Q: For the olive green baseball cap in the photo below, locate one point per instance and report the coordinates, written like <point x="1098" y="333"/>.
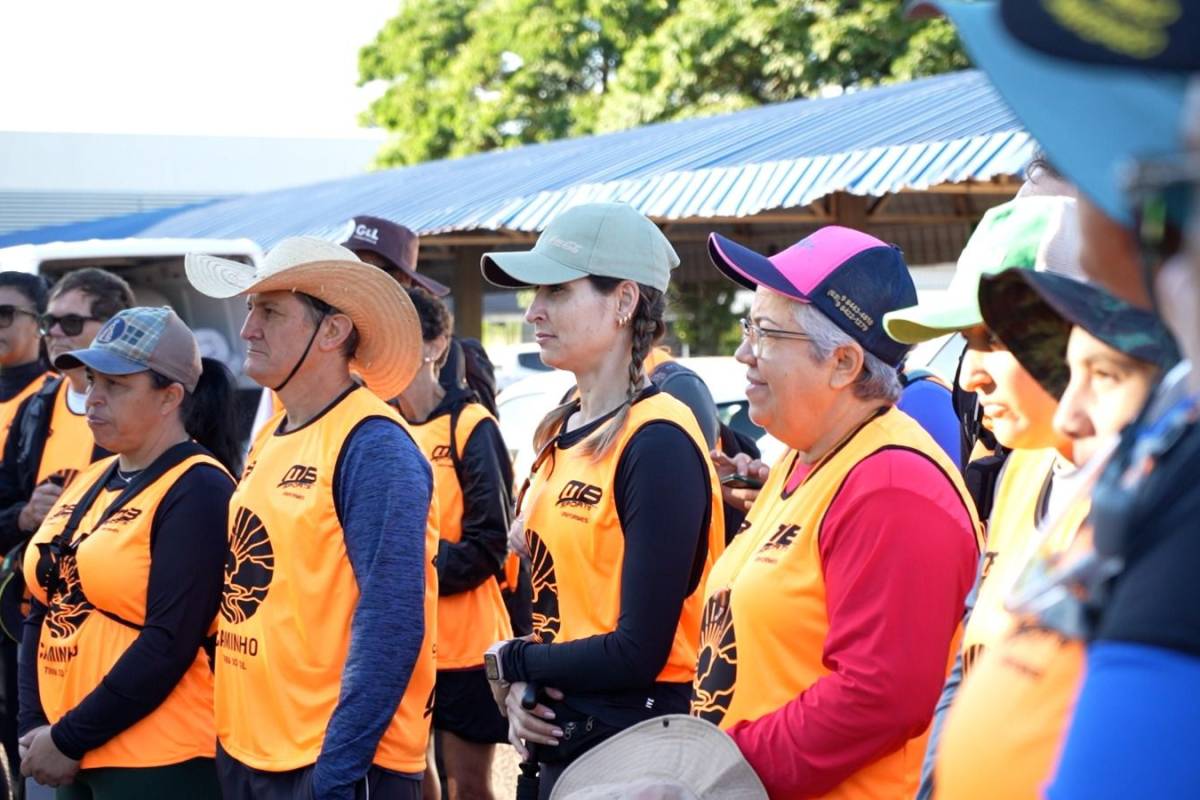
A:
<point x="609" y="240"/>
<point x="1030" y="232"/>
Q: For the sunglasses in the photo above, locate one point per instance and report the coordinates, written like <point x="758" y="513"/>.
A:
<point x="8" y="313"/>
<point x="71" y="324"/>
<point x="1163" y="196"/>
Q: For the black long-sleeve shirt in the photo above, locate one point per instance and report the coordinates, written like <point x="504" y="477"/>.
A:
<point x="662" y="495"/>
<point x="13" y="380"/>
<point x="485" y="476"/>
<point x="187" y="548"/>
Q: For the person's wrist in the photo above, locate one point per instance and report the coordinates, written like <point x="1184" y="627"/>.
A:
<point x="493" y="662"/>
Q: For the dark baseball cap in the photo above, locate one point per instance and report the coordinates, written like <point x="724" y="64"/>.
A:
<point x="395" y="243"/>
<point x="141" y="339"/>
<point x="1146" y="34"/>
<point x="1033" y="313"/>
<point x="851" y="277"/>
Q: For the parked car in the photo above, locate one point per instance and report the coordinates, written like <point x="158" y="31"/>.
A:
<point x="524" y="403"/>
<point x="154" y="270"/>
<point x="516" y="361"/>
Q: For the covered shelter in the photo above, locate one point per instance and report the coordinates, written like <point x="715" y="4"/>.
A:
<point x="914" y="163"/>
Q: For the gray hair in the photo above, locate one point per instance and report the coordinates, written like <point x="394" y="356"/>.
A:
<point x="877" y="381"/>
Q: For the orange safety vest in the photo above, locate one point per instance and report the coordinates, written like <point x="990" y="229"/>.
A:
<point x="8" y="408"/>
<point x="69" y="443"/>
<point x="95" y="614"/>
<point x="1004" y="731"/>
<point x="283" y="633"/>
<point x="766" y="620"/>
<point x="577" y="546"/>
<point x="1012" y="527"/>
<point x="468" y="622"/>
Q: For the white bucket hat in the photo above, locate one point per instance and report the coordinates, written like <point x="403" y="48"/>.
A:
<point x="675" y="756"/>
<point x="389" y="332"/>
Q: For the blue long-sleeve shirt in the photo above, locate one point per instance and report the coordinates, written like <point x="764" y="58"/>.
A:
<point x="382" y="491"/>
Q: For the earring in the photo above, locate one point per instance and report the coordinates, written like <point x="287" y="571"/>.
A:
<point x="622" y="321"/>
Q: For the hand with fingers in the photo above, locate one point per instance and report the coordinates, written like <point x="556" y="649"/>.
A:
<point x="44" y="496"/>
<point x="533" y="725"/>
<point x="43" y="761"/>
<point x="740" y="498"/>
<point x="516" y="538"/>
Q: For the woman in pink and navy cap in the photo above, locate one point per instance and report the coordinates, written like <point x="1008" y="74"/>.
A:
<point x="830" y="621"/>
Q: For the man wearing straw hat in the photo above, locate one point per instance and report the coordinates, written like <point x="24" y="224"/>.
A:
<point x="325" y="663"/>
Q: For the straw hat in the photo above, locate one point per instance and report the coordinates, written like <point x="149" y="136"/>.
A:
<point x="675" y="756"/>
<point x="389" y="333"/>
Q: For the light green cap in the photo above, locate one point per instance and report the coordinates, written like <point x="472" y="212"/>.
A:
<point x="611" y="240"/>
<point x="1035" y="232"/>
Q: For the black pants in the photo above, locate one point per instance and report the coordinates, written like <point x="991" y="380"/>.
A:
<point x="240" y="782"/>
<point x="192" y="780"/>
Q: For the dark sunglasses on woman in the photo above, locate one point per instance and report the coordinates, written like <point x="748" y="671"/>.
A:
<point x="71" y="324"/>
<point x="8" y="313"/>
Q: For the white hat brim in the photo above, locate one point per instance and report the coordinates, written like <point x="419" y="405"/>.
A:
<point x="389" y="331"/>
<point x="677" y="749"/>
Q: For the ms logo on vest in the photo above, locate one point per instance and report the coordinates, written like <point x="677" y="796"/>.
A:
<point x="546" y="621"/>
<point x="69" y="607"/>
<point x="716" y="666"/>
<point x="782" y="539"/>
<point x="124" y="516"/>
<point x="440" y="453"/>
<point x="249" y="565"/>
<point x="298" y="476"/>
<point x="577" y="494"/>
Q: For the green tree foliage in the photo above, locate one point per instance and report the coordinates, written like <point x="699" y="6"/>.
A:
<point x="465" y="76"/>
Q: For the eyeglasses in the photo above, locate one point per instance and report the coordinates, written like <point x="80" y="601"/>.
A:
<point x="71" y="324"/>
<point x="9" y="313"/>
<point x="754" y="335"/>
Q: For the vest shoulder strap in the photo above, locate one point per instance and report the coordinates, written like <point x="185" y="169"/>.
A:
<point x="456" y="418"/>
<point x="35" y="419"/>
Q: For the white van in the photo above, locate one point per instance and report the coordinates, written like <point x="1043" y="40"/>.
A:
<point x="154" y="269"/>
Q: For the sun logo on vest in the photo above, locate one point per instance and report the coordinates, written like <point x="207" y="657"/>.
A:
<point x="716" y="667"/>
<point x="249" y="566"/>
<point x="546" y="620"/>
<point x="69" y="606"/>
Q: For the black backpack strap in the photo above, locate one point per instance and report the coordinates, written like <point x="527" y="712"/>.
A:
<point x="455" y="459"/>
<point x="62" y="545"/>
<point x="35" y="420"/>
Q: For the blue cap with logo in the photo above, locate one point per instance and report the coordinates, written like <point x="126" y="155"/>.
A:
<point x="141" y="339"/>
<point x="1090" y="120"/>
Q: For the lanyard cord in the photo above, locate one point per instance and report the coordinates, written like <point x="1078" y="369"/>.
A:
<point x="303" y="355"/>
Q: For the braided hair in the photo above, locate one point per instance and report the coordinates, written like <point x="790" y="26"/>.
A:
<point x="647" y="326"/>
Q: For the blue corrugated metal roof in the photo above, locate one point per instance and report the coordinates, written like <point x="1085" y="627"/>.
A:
<point x="947" y="128"/>
<point x="118" y="227"/>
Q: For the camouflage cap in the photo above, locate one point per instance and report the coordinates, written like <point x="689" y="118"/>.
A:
<point x="1033" y="313"/>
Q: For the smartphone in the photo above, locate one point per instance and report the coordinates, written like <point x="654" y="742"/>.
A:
<point x="736" y="481"/>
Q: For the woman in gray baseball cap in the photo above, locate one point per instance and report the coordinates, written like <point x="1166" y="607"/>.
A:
<point x="126" y="574"/>
<point x="622" y="517"/>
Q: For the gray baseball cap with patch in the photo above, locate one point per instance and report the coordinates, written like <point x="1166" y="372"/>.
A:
<point x="609" y="240"/>
<point x="141" y="339"/>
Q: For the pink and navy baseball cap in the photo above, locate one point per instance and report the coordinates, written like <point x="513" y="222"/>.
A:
<point x="850" y="277"/>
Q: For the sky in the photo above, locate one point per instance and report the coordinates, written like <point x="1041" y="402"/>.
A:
<point x="252" y="67"/>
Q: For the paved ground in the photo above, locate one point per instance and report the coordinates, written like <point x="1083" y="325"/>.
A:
<point x="504" y="772"/>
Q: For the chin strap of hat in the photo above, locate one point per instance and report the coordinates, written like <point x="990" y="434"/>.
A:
<point x="303" y="355"/>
